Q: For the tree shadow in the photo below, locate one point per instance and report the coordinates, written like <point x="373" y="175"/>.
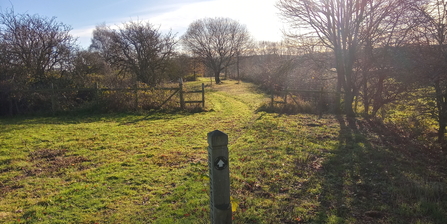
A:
<point x="374" y="175"/>
<point x="9" y="124"/>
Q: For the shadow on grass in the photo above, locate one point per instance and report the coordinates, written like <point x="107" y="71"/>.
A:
<point x="160" y="115"/>
<point x="377" y="176"/>
<point x="71" y="118"/>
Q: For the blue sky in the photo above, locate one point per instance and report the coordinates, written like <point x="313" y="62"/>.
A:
<point x="260" y="16"/>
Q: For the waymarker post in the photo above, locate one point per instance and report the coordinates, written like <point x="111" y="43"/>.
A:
<point x="218" y="164"/>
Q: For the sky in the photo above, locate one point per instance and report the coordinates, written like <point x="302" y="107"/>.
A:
<point x="261" y="17"/>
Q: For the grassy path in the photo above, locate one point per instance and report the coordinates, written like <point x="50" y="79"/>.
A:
<point x="115" y="168"/>
<point x="123" y="168"/>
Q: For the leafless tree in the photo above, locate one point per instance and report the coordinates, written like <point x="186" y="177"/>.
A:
<point x="385" y="34"/>
<point x="34" y="46"/>
<point x="103" y="42"/>
<point x="89" y="68"/>
<point x="137" y="48"/>
<point x="216" y="41"/>
<point x="315" y="64"/>
<point x="269" y="66"/>
<point x="434" y="59"/>
<point x="340" y="26"/>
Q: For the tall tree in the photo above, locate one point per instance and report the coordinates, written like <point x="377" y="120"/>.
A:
<point x="32" y="47"/>
<point x="338" y="24"/>
<point x="216" y="41"/>
<point x="88" y="68"/>
<point x="434" y="41"/>
<point x="386" y="32"/>
<point x="137" y="48"/>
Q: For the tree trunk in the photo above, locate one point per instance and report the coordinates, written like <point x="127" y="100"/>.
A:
<point x="367" y="64"/>
<point x="365" y="95"/>
<point x="345" y="80"/>
<point x="344" y="75"/>
<point x="349" y="99"/>
<point x="338" y="97"/>
<point x="378" y="98"/>
<point x="217" y="77"/>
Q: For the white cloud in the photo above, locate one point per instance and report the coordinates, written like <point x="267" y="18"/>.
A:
<point x="260" y="17"/>
<point x="83" y="35"/>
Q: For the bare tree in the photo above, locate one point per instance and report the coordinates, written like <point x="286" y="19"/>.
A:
<point x="434" y="58"/>
<point x="103" y="42"/>
<point x="315" y="68"/>
<point x="216" y="41"/>
<point x="137" y="48"/>
<point x="385" y="34"/>
<point x="88" y="68"/>
<point x="269" y="66"/>
<point x="33" y="46"/>
<point x="339" y="25"/>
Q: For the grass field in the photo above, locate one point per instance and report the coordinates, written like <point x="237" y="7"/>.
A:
<point x="140" y="168"/>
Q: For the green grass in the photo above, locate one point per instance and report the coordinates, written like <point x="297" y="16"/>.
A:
<point x="138" y="168"/>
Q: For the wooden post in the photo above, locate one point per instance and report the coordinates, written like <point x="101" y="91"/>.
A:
<point x="218" y="163"/>
<point x="273" y="98"/>
<point x="182" y="100"/>
<point x="203" y="95"/>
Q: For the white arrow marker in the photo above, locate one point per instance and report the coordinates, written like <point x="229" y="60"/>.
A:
<point x="221" y="163"/>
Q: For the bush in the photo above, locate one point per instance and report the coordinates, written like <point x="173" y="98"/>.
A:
<point x="192" y="77"/>
<point x="91" y="100"/>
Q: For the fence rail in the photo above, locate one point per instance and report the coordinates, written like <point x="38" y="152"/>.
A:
<point x="136" y="95"/>
<point x="322" y="99"/>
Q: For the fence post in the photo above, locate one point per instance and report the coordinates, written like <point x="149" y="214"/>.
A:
<point x="203" y="95"/>
<point x="182" y="100"/>
<point x="218" y="163"/>
<point x="273" y="98"/>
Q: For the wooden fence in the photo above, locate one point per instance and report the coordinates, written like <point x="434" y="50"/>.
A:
<point x="96" y="93"/>
<point x="321" y="99"/>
